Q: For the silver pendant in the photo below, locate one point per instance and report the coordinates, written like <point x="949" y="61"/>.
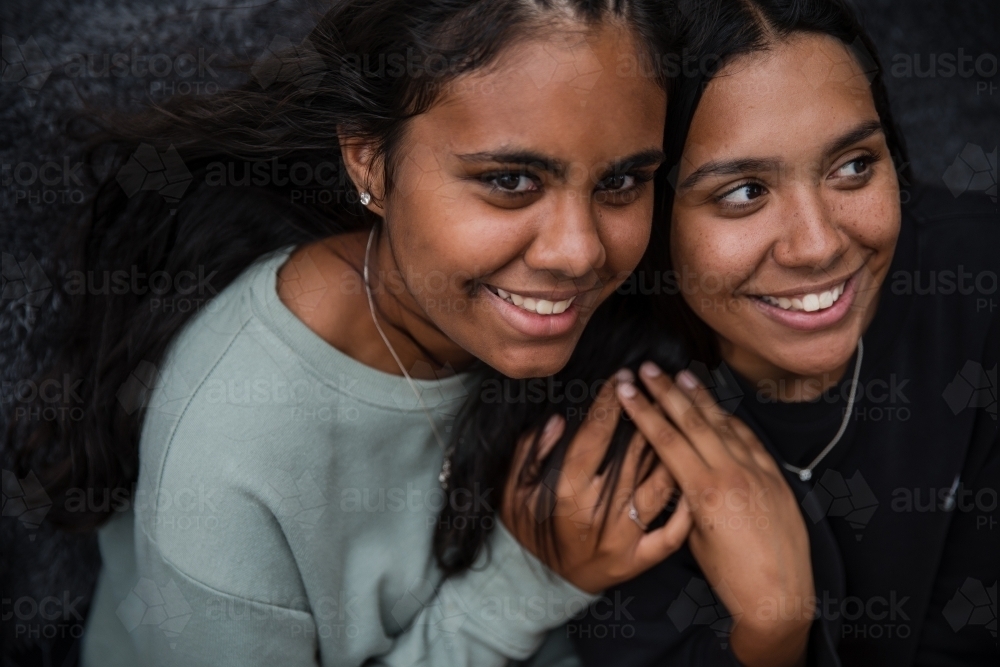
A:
<point x="805" y="475"/>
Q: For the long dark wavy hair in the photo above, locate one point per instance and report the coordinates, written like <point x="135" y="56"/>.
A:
<point x="647" y="318"/>
<point x="199" y="188"/>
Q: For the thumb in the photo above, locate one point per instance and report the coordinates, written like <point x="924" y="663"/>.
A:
<point x="654" y="546"/>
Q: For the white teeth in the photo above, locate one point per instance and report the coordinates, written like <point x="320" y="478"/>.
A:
<point x="540" y="306"/>
<point x="809" y="302"/>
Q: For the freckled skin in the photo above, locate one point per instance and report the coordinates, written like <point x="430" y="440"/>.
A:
<point x="446" y="231"/>
<point x="816" y="221"/>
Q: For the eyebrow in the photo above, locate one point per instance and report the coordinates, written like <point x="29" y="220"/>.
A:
<point x="559" y="168"/>
<point x="860" y="133"/>
<point x="742" y="166"/>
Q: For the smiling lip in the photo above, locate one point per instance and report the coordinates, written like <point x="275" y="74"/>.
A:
<point x="532" y="323"/>
<point x="803" y="320"/>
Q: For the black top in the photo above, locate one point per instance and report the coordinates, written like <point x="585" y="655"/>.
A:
<point x="798" y="431"/>
<point x="902" y="513"/>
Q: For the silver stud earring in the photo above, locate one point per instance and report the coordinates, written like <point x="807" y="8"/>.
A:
<point x="364" y="197"/>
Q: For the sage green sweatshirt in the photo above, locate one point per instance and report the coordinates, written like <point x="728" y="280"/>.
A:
<point x="283" y="515"/>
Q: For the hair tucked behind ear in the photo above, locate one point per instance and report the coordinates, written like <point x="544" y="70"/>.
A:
<point x="205" y="186"/>
<point x="648" y="318"/>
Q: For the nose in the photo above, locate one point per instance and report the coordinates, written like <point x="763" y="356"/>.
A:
<point x="810" y="238"/>
<point x="567" y="242"/>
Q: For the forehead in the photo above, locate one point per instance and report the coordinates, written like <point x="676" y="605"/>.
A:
<point x="564" y="91"/>
<point x="808" y="86"/>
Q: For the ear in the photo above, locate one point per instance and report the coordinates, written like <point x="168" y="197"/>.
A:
<point x="365" y="170"/>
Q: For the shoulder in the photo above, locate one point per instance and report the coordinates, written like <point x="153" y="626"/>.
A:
<point x="233" y="407"/>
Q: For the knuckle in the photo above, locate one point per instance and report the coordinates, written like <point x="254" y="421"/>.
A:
<point x="692" y="420"/>
<point x="665" y="434"/>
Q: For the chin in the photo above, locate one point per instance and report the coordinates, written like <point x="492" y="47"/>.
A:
<point x="819" y="363"/>
<point x="526" y="362"/>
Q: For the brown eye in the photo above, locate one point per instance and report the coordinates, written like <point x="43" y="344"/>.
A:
<point x="743" y="194"/>
<point x="617" y="182"/>
<point x="511" y="182"/>
<point x="855" y="167"/>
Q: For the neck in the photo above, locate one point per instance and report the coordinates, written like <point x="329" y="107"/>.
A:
<point x="785" y="385"/>
<point x="322" y="284"/>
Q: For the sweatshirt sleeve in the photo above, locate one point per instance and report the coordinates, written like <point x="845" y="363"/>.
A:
<point x="501" y="609"/>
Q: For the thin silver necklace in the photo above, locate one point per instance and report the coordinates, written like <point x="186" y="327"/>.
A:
<point x="445" y="473"/>
<point x="805" y="474"/>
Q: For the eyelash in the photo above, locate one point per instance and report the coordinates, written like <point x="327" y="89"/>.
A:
<point x="491" y="178"/>
<point x="736" y="188"/>
<point x="641" y="178"/>
<point x="867" y="158"/>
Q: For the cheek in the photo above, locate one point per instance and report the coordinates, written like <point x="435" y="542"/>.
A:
<point x="440" y="236"/>
<point x="719" y="256"/>
<point x="873" y="221"/>
<point x="625" y="235"/>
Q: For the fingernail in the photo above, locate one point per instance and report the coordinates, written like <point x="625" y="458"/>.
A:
<point x="550" y="425"/>
<point x="650" y="370"/>
<point x="687" y="380"/>
<point x="627" y="390"/>
<point x="624" y="376"/>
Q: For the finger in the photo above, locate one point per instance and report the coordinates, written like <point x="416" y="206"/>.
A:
<point x="652" y="496"/>
<point x="620" y="501"/>
<point x="579" y="487"/>
<point x="547" y="439"/>
<point x="673" y="449"/>
<point x="630" y="464"/>
<point x="686" y="416"/>
<point x="701" y="397"/>
<point x="656" y="545"/>
<point x="760" y="455"/>
<point x="591" y="442"/>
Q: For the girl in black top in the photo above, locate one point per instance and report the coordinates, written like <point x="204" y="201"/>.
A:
<point x="855" y="336"/>
<point x="847" y="513"/>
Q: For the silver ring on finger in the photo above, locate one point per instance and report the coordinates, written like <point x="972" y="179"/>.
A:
<point x="633" y="514"/>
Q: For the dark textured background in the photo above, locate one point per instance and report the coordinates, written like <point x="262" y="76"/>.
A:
<point x="943" y="117"/>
